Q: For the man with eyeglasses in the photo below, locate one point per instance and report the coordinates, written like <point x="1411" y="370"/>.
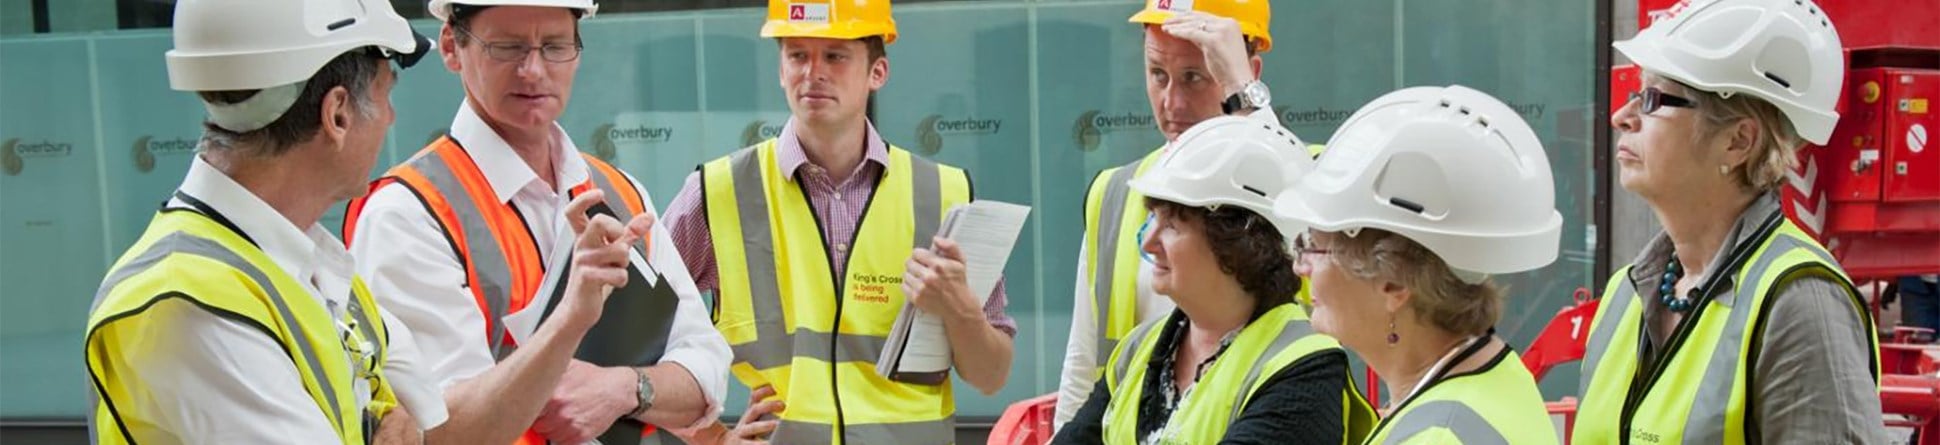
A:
<point x="469" y="238"/>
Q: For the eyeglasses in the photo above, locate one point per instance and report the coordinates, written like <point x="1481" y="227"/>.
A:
<point x="516" y="52"/>
<point x="1303" y="245"/>
<point x="1654" y="99"/>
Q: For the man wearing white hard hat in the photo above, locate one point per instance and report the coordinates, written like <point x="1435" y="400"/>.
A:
<point x="236" y="318"/>
<point x="1732" y="325"/>
<point x="469" y="242"/>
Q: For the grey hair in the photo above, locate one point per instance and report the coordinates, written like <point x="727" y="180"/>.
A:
<point x="1440" y="297"/>
<point x="355" y="70"/>
<point x="1774" y="152"/>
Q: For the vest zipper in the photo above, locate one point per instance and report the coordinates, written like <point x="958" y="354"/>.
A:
<point x="1635" y="396"/>
<point x="835" y="326"/>
<point x="835" y="329"/>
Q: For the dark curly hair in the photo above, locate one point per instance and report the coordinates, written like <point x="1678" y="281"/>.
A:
<point x="1247" y="246"/>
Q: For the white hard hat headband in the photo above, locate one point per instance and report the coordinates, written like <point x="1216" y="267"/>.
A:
<point x="256" y="112"/>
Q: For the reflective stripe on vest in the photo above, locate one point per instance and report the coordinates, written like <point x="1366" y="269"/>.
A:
<point x="1701" y="396"/>
<point x="1497" y="404"/>
<point x="774" y="345"/>
<point x="1112" y="222"/>
<point x="779" y="302"/>
<point x="1467" y="425"/>
<point x="174" y="259"/>
<point x="500" y="255"/>
<point x="1264" y="347"/>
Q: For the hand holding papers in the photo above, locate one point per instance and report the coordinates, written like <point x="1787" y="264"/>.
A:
<point x="918" y="349"/>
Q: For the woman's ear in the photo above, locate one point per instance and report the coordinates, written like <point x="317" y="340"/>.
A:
<point x="1395" y="296"/>
<point x="1744" y="137"/>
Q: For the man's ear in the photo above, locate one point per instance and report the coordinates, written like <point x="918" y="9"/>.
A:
<point x="336" y="118"/>
<point x="448" y="48"/>
<point x="878" y="73"/>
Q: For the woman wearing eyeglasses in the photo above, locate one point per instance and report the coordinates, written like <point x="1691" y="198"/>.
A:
<point x="1732" y="325"/>
<point x="1237" y="362"/>
<point x="1421" y="196"/>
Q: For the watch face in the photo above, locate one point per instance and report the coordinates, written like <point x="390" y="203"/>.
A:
<point x="1257" y="94"/>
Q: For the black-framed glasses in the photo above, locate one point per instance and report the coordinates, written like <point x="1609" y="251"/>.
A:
<point x="1654" y="99"/>
<point x="516" y="51"/>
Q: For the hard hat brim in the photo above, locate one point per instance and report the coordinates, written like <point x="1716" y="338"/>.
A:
<point x="1262" y="44"/>
<point x="776" y="29"/>
<point x="1645" y="51"/>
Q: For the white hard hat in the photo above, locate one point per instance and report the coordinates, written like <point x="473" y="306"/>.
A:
<point x="276" y="46"/>
<point x="1783" y="51"/>
<point x="224" y="45"/>
<point x="442" y="8"/>
<point x="1229" y="160"/>
<point x="1451" y="168"/>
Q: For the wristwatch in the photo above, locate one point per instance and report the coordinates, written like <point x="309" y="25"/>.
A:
<point x="1253" y="96"/>
<point x="645" y="395"/>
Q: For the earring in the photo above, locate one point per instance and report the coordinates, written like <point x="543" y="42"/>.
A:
<point x="1393" y="337"/>
<point x="1724" y="170"/>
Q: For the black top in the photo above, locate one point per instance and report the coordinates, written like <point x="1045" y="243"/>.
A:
<point x="1299" y="404"/>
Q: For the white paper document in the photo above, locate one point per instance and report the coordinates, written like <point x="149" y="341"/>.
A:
<point x="918" y="350"/>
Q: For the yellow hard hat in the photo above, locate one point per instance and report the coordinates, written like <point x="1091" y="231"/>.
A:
<point x="832" y="19"/>
<point x="1253" y="15"/>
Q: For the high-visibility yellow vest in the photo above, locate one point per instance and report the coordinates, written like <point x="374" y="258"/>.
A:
<point x="1498" y="404"/>
<point x="1699" y="390"/>
<point x="1269" y="344"/>
<point x="814" y="338"/>
<point x="186" y="254"/>
<point x="1114" y="215"/>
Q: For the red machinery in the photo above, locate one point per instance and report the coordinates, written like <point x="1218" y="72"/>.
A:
<point x="1026" y="423"/>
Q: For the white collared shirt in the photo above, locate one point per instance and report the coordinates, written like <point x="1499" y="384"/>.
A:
<point x="403" y="252"/>
<point x="216" y="380"/>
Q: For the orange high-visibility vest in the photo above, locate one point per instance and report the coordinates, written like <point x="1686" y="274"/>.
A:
<point x="503" y="268"/>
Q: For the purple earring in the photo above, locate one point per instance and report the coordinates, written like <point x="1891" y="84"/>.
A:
<point x="1393" y="337"/>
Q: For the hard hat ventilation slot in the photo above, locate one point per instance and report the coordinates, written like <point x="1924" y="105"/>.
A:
<point x="1253" y="190"/>
<point x="1463" y="110"/>
<point x="1410" y="206"/>
<point x="1781" y="81"/>
<point x="340" y="24"/>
